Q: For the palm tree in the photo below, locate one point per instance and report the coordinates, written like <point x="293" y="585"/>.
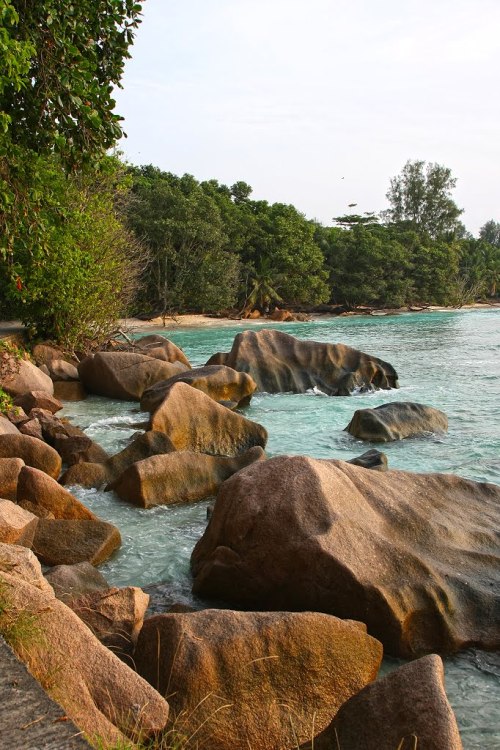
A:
<point x="264" y="285"/>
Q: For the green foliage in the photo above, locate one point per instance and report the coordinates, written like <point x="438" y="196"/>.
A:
<point x="6" y="402"/>
<point x="74" y="293"/>
<point x="420" y="199"/>
<point x="490" y="233"/>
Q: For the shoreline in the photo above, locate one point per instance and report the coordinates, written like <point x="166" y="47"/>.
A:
<point x="199" y="320"/>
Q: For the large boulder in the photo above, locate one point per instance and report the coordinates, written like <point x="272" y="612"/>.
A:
<point x="159" y="347"/>
<point x="253" y="679"/>
<point x="407" y="708"/>
<point x="63" y="542"/>
<point x="85" y="474"/>
<point x="147" y="444"/>
<point x="10" y="469"/>
<point x="414" y="556"/>
<point x="32" y="451"/>
<point x="22" y="376"/>
<point x="396" y="421"/>
<point x="114" y="616"/>
<point x="280" y="363"/>
<point x="6" y="426"/>
<point x="195" y="422"/>
<point x="42" y="495"/>
<point x="221" y="383"/>
<point x="62" y="371"/>
<point x="124" y="375"/>
<point x="72" y="581"/>
<point x="17" y="526"/>
<point x="69" y="390"/>
<point x="180" y="477"/>
<point x="106" y="699"/>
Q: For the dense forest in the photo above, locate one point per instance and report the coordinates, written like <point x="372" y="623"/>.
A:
<point x="85" y="238"/>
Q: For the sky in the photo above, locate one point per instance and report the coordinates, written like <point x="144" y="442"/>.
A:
<point x="319" y="103"/>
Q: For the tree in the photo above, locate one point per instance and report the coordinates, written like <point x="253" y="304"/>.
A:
<point x="420" y="199"/>
<point x="490" y="232"/>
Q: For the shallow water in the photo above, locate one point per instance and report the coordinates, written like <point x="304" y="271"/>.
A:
<point x="450" y="360"/>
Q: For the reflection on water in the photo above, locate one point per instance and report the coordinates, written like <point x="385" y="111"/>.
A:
<point x="448" y="360"/>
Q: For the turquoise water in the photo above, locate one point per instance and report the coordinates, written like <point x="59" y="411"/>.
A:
<point x="450" y="360"/>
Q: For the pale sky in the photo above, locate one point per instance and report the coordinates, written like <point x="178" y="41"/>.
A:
<point x="319" y="103"/>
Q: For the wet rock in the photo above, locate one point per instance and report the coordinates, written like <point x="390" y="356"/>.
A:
<point x="414" y="556"/>
<point x="281" y="363"/>
<point x="276" y="674"/>
<point x="90" y="475"/>
<point x="373" y="459"/>
<point x="222" y="384"/>
<point x="180" y="477"/>
<point x="194" y="422"/>
<point x="396" y="421"/>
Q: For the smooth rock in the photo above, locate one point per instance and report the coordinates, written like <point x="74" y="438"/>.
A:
<point x="6" y="426"/>
<point x="123" y="375"/>
<point x="9" y="473"/>
<point x="373" y="459"/>
<point x="40" y="493"/>
<point x="180" y="477"/>
<point x="194" y="422"/>
<point x="281" y="363"/>
<point x="414" y="556"/>
<point x="62" y="371"/>
<point x="17" y="526"/>
<point x="62" y="542"/>
<point x="32" y="451"/>
<point x="396" y="421"/>
<point x="222" y="384"/>
<point x="406" y="709"/>
<point x="72" y="581"/>
<point x="161" y="348"/>
<point x="253" y="679"/>
<point x="106" y="699"/>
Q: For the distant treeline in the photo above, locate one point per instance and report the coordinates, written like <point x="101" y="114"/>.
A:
<point x="212" y="248"/>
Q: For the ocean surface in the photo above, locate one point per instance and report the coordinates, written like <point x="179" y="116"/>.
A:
<point x="450" y="360"/>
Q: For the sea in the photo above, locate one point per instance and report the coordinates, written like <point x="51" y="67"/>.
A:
<point x="449" y="360"/>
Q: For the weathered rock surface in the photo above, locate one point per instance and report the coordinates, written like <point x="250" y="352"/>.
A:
<point x="180" y="477"/>
<point x="6" y="426"/>
<point x="62" y="542"/>
<point x="72" y="581"/>
<point x="396" y="421"/>
<point x="407" y="708"/>
<point x="41" y="494"/>
<point x="9" y="473"/>
<point x="148" y="444"/>
<point x="17" y="526"/>
<point x="280" y="363"/>
<point x="414" y="556"/>
<point x="24" y="376"/>
<point x="276" y="674"/>
<point x="104" y="697"/>
<point x="124" y="375"/>
<point x="38" y="400"/>
<point x="222" y="384"/>
<point x="32" y="451"/>
<point x="194" y="422"/>
<point x="69" y="390"/>
<point x="62" y="371"/>
<point x="114" y="616"/>
<point x="32" y="428"/>
<point x="22" y="563"/>
<point x="159" y="347"/>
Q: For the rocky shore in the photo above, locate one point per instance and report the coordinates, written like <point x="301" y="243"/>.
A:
<point x="326" y="563"/>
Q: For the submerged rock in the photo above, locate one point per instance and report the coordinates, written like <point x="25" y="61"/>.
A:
<point x="254" y="679"/>
<point x="396" y="421"/>
<point x="180" y="477"/>
<point x="414" y="556"/>
<point x="281" y="363"/>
